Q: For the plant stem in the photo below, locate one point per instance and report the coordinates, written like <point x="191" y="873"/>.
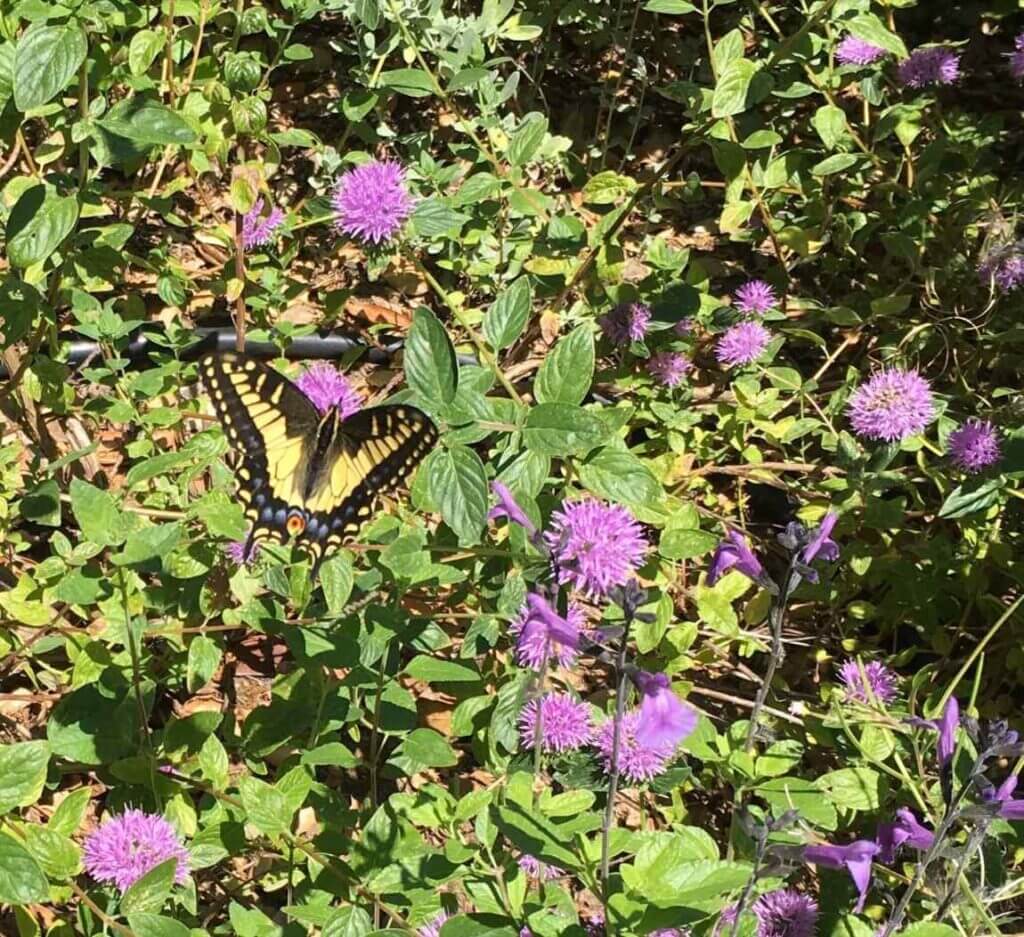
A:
<point x="974" y="842"/>
<point x="83" y="113"/>
<point x="613" y="780"/>
<point x="748" y="890"/>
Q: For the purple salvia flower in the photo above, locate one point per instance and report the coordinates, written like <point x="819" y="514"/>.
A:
<point x="126" y="847"/>
<point x="626" y="323"/>
<point x="507" y="506"/>
<point x="669" y="367"/>
<point x="433" y="929"/>
<point x="786" y="913"/>
<point x="595" y="546"/>
<point x="637" y="762"/>
<point x="1017" y="58"/>
<point x="742" y="344"/>
<point x="974" y="446"/>
<point x="534" y="868"/>
<point x="905" y="831"/>
<point x="854" y="51"/>
<point x="821" y="543"/>
<point x="236" y="552"/>
<point x="935" y="65"/>
<point x="734" y="551"/>
<point x="1009" y="808"/>
<point x="258" y="230"/>
<point x="372" y="202"/>
<point x="893" y="405"/>
<point x="565" y="723"/>
<point x="665" y="720"/>
<point x="946" y="725"/>
<point x="327" y="387"/>
<point x="542" y="634"/>
<point x="855" y="858"/>
<point x="880" y="680"/>
<point x="756" y="297"/>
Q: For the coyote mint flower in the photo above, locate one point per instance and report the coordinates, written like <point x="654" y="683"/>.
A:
<point x="371" y="201"/>
<point x="742" y="344"/>
<point x="893" y="405"/>
<point x="327" y="387"/>
<point x="974" y="446"/>
<point x="126" y="847"/>
<point x="565" y="723"/>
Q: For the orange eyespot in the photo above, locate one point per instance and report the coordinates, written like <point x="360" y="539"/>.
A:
<point x="295" y="525"/>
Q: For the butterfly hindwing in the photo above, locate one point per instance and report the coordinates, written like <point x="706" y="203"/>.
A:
<point x="303" y="475"/>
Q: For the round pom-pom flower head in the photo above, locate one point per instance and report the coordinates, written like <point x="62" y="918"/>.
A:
<point x="854" y="51"/>
<point x="974" y="446"/>
<point x="935" y="65"/>
<point x="638" y="762"/>
<point x="626" y="323"/>
<point x="259" y="229"/>
<point x="595" y="546"/>
<point x="669" y="367"/>
<point x="372" y="202"/>
<point x="1003" y="267"/>
<point x="876" y="677"/>
<point x="565" y="723"/>
<point x="742" y="344"/>
<point x="756" y="297"/>
<point x="786" y="913"/>
<point x="126" y="847"/>
<point x="892" y="406"/>
<point x="327" y="387"/>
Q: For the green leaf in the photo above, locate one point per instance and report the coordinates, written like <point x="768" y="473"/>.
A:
<point x="733" y="88"/>
<point x="607" y="188"/>
<point x="686" y="544"/>
<point x="430" y="365"/>
<point x="56" y="854"/>
<point x="97" y="513"/>
<point x="45" y="61"/>
<point x="457" y="482"/>
<point x="479" y="925"/>
<point x="929" y="929"/>
<point x="412" y="82"/>
<point x="213" y="761"/>
<point x="436" y="670"/>
<point x="42" y="504"/>
<point x="336" y="578"/>
<point x="265" y="807"/>
<point x="618" y="475"/>
<point x="871" y="29"/>
<point x="567" y="372"/>
<point x="857" y="788"/>
<point x="830" y="122"/>
<point x="504" y="321"/>
<point x="433" y="217"/>
<point x="21" y="879"/>
<point x="144" y="924"/>
<point x="806" y="797"/>
<point x="833" y="164"/>
<point x="204" y="656"/>
<point x="422" y="749"/>
<point x="527" y="138"/>
<point x="23" y="770"/>
<point x="156" y="540"/>
<point x="555" y="429"/>
<point x="347" y="922"/>
<point x="148" y="122"/>
<point x="37" y="224"/>
<point x="151" y="891"/>
<point x="143" y="49"/>
<point x="672" y="7"/>
<point x="535" y="835"/>
<point x="665" y="875"/>
<point x="971" y="497"/>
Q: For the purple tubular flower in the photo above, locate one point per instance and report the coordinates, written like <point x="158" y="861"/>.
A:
<point x="734" y="551"/>
<point x="855" y="858"/>
<point x="669" y="367"/>
<point x="565" y="723"/>
<point x="665" y="720"/>
<point x="756" y="297"/>
<point x="637" y="762"/>
<point x="128" y="846"/>
<point x="257" y="229"/>
<point x="881" y="681"/>
<point x="893" y="405"/>
<point x="507" y="506"/>
<point x="595" y="546"/>
<point x="326" y="387"/>
<point x="1009" y="809"/>
<point x="854" y="51"/>
<point x="433" y="929"/>
<point x="946" y="725"/>
<point x="742" y="344"/>
<point x="542" y="634"/>
<point x="936" y="65"/>
<point x="822" y="543"/>
<point x="626" y="323"/>
<point x="1017" y="58"/>
<point x="534" y="868"/>
<point x="371" y="201"/>
<point x="906" y="831"/>
<point x="785" y="913"/>
<point x="974" y="446"/>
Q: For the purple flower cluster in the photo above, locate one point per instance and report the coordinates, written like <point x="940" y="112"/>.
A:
<point x="565" y="723"/>
<point x="371" y="202"/>
<point x="1017" y="58"/>
<point x="893" y="405"/>
<point x="236" y="552"/>
<point x="258" y="229"/>
<point x="785" y="913"/>
<point x="854" y="51"/>
<point x="664" y="719"/>
<point x="636" y="762"/>
<point x="669" y="367"/>
<point x="534" y="868"/>
<point x="1009" y="808"/>
<point x="735" y="552"/>
<point x="595" y="546"/>
<point x="756" y="297"/>
<point x="744" y="343"/>
<point x="879" y="679"/>
<point x="126" y="847"/>
<point x="974" y="446"/>
<point x="1004" y="267"/>
<point x="433" y="928"/>
<point x="934" y="65"/>
<point x="627" y="322"/>
<point x="543" y="635"/>
<point x="327" y="387"/>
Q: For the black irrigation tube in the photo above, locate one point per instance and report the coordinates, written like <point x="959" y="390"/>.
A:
<point x="324" y="345"/>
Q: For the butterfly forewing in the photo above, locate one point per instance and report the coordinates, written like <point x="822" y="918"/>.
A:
<point x="283" y="473"/>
